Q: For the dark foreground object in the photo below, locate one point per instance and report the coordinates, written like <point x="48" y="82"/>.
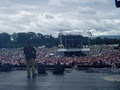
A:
<point x="6" y="67"/>
<point x="58" y="69"/>
<point x="74" y="80"/>
<point x="41" y="68"/>
<point x="117" y="2"/>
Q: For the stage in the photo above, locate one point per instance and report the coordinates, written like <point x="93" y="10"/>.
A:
<point x="73" y="52"/>
<point x="71" y="80"/>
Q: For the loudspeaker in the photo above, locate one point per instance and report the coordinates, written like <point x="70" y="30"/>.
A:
<point x="41" y="68"/>
<point x="58" y="69"/>
<point x="117" y="2"/>
<point x="6" y="67"/>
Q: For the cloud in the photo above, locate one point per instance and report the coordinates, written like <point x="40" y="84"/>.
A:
<point x="51" y="16"/>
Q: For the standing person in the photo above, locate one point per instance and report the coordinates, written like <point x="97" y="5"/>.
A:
<point x="30" y="55"/>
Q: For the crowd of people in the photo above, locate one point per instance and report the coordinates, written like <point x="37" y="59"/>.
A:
<point x="99" y="55"/>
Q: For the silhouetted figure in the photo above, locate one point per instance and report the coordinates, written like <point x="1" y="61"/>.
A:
<point x="30" y="55"/>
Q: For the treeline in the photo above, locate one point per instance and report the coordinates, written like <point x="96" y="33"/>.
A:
<point x="16" y="40"/>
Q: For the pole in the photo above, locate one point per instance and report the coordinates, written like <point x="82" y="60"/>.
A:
<point x="60" y="37"/>
<point x="89" y="34"/>
<point x="88" y="42"/>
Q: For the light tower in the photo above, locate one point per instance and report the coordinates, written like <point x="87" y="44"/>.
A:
<point x="61" y="43"/>
<point x="60" y="37"/>
<point x="89" y="34"/>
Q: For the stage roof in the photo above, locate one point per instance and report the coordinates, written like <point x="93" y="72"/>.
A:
<point x="73" y="50"/>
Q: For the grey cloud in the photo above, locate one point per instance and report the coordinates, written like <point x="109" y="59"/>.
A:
<point x="51" y="16"/>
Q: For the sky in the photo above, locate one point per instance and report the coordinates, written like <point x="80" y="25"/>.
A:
<point x="100" y="17"/>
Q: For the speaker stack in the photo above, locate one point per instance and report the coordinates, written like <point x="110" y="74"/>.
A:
<point x="58" y="69"/>
<point x="41" y="68"/>
<point x="6" y="67"/>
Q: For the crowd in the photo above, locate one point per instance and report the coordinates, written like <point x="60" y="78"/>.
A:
<point x="99" y="55"/>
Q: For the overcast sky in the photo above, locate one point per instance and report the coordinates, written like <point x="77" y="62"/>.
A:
<point x="51" y="16"/>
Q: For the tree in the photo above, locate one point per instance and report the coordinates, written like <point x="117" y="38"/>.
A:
<point x="5" y="40"/>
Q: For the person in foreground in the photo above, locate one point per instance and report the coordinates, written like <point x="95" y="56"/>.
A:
<point x="30" y="55"/>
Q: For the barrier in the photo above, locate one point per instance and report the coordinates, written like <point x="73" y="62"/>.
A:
<point x="99" y="70"/>
<point x="116" y="71"/>
<point x="117" y="64"/>
<point x="92" y="66"/>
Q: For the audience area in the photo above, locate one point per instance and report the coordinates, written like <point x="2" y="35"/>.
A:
<point x="102" y="56"/>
